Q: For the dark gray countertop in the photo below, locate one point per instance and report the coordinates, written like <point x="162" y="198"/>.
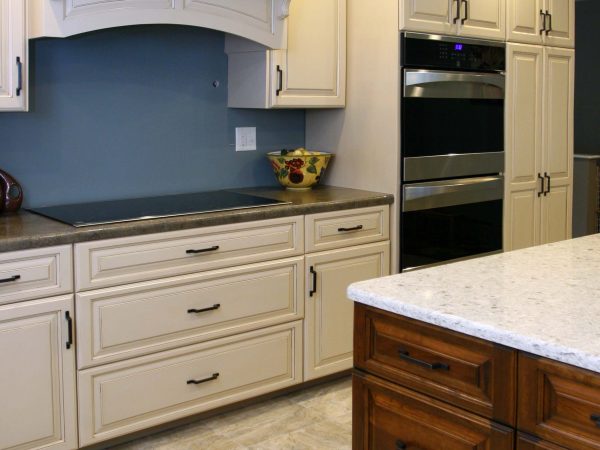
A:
<point x="23" y="230"/>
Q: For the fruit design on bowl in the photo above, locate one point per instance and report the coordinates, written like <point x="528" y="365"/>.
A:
<point x="300" y="168"/>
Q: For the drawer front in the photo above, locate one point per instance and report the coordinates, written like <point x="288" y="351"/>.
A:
<point x="120" y="398"/>
<point x="344" y="228"/>
<point x="142" y="258"/>
<point x="559" y="403"/>
<point x="471" y="373"/>
<point x="386" y="416"/>
<point x="127" y="321"/>
<point x="36" y="273"/>
<point x="525" y="442"/>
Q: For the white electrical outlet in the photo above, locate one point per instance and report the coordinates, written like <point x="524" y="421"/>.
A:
<point x="245" y="139"/>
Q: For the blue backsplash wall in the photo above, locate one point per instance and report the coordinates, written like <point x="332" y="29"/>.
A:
<point x="132" y="112"/>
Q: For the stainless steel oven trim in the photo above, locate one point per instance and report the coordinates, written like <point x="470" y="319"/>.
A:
<point x="458" y="40"/>
<point x="445" y="84"/>
<point x="419" y="168"/>
<point x="440" y="194"/>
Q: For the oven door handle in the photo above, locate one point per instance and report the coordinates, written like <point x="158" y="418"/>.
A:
<point x="441" y="84"/>
<point x="439" y="194"/>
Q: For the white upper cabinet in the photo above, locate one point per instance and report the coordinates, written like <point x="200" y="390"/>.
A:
<point x="550" y="22"/>
<point x="309" y="73"/>
<point x="258" y="20"/>
<point x="13" y="56"/>
<point x="473" y="18"/>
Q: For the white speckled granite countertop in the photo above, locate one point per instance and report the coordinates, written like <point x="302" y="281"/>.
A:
<point x="544" y="300"/>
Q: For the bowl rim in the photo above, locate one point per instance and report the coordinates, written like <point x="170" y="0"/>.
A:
<point x="315" y="153"/>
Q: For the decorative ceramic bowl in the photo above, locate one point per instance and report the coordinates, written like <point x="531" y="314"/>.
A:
<point x="299" y="171"/>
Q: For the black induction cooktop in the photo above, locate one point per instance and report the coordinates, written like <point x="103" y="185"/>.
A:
<point x="113" y="211"/>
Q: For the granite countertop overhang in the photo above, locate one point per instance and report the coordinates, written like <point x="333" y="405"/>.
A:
<point x="543" y="300"/>
<point x="25" y="230"/>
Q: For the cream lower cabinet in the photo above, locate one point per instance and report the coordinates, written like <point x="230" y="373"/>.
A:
<point x="37" y="375"/>
<point x="539" y="145"/>
<point x="309" y="73"/>
<point x="473" y="18"/>
<point x="13" y="56"/>
<point x="328" y="321"/>
<point x="549" y="22"/>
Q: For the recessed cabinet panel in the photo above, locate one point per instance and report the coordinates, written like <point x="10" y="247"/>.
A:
<point x="483" y="18"/>
<point x="562" y="25"/>
<point x="556" y="216"/>
<point x="74" y="7"/>
<point x="522" y="219"/>
<point x="13" y="56"/>
<point x="435" y="16"/>
<point x="525" y="21"/>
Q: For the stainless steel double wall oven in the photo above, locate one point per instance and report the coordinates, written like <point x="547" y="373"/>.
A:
<point x="452" y="147"/>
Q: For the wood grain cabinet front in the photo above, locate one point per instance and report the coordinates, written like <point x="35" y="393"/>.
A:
<point x="525" y="442"/>
<point x="476" y="375"/>
<point x="393" y="417"/>
<point x="559" y="403"/>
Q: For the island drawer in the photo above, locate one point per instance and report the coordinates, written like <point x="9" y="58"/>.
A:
<point x="326" y="231"/>
<point x="127" y="321"/>
<point x="392" y="417"/>
<point x="559" y="402"/>
<point x="525" y="442"/>
<point x="36" y="273"/>
<point x="119" y="398"/>
<point x="471" y="373"/>
<point x="119" y="261"/>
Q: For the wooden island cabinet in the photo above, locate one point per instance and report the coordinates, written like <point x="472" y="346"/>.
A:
<point x="420" y="386"/>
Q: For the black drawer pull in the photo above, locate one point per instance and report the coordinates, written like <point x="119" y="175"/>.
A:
<point x="202" y="250"/>
<point x="596" y="418"/>
<point x="210" y="308"/>
<point x="314" y="282"/>
<point x="542" y="180"/>
<point x="356" y="228"/>
<point x="19" y="76"/>
<point x="549" y="181"/>
<point x="204" y="380"/>
<point x="400" y="445"/>
<point x="70" y="329"/>
<point x="432" y="366"/>
<point x="10" y="279"/>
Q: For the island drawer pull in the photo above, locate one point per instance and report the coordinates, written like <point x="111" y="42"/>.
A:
<point x="210" y="308"/>
<point x="596" y="418"/>
<point x="202" y="250"/>
<point x="10" y="279"/>
<point x="356" y="228"/>
<point x="432" y="366"/>
<point x="214" y="376"/>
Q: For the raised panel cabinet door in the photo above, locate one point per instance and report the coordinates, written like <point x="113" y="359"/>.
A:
<point x="523" y="145"/>
<point x="328" y="321"/>
<point x="483" y="18"/>
<point x="311" y="71"/>
<point x="387" y="416"/>
<point x="525" y="442"/>
<point x="13" y="56"/>
<point x="525" y="21"/>
<point x="434" y="16"/>
<point x="37" y="375"/>
<point x="561" y="25"/>
<point x="557" y="214"/>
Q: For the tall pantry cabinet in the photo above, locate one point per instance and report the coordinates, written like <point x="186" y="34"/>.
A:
<point x="539" y="145"/>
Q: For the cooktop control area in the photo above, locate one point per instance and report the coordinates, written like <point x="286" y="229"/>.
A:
<point x="97" y="213"/>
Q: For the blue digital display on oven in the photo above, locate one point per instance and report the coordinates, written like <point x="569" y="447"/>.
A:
<point x="458" y="47"/>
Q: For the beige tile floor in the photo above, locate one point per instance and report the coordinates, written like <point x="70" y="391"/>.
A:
<point x="318" y="418"/>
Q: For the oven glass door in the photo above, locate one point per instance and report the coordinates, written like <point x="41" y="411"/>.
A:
<point x="447" y="220"/>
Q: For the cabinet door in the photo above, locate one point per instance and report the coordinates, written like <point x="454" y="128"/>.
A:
<point x="525" y="21"/>
<point x="561" y="24"/>
<point x="558" y="143"/>
<point x="435" y="16"/>
<point x="37" y="375"/>
<point x="387" y="416"/>
<point x="523" y="144"/>
<point x="13" y="55"/>
<point x="311" y="71"/>
<point x="525" y="442"/>
<point x="483" y="18"/>
<point x="329" y="313"/>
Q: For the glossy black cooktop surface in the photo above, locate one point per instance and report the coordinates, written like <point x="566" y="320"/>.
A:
<point x="97" y="213"/>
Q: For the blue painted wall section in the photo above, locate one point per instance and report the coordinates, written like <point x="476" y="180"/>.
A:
<point x="132" y="112"/>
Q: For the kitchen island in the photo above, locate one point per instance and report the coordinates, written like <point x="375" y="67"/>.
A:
<point x="480" y="351"/>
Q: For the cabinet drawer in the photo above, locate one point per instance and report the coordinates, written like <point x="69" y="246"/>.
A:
<point x="559" y="403"/>
<point x="344" y="228"/>
<point x="127" y="260"/>
<point x="119" y="398"/>
<point x="127" y="321"/>
<point x="36" y="273"/>
<point x="525" y="442"/>
<point x="471" y="373"/>
<point x="386" y="416"/>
